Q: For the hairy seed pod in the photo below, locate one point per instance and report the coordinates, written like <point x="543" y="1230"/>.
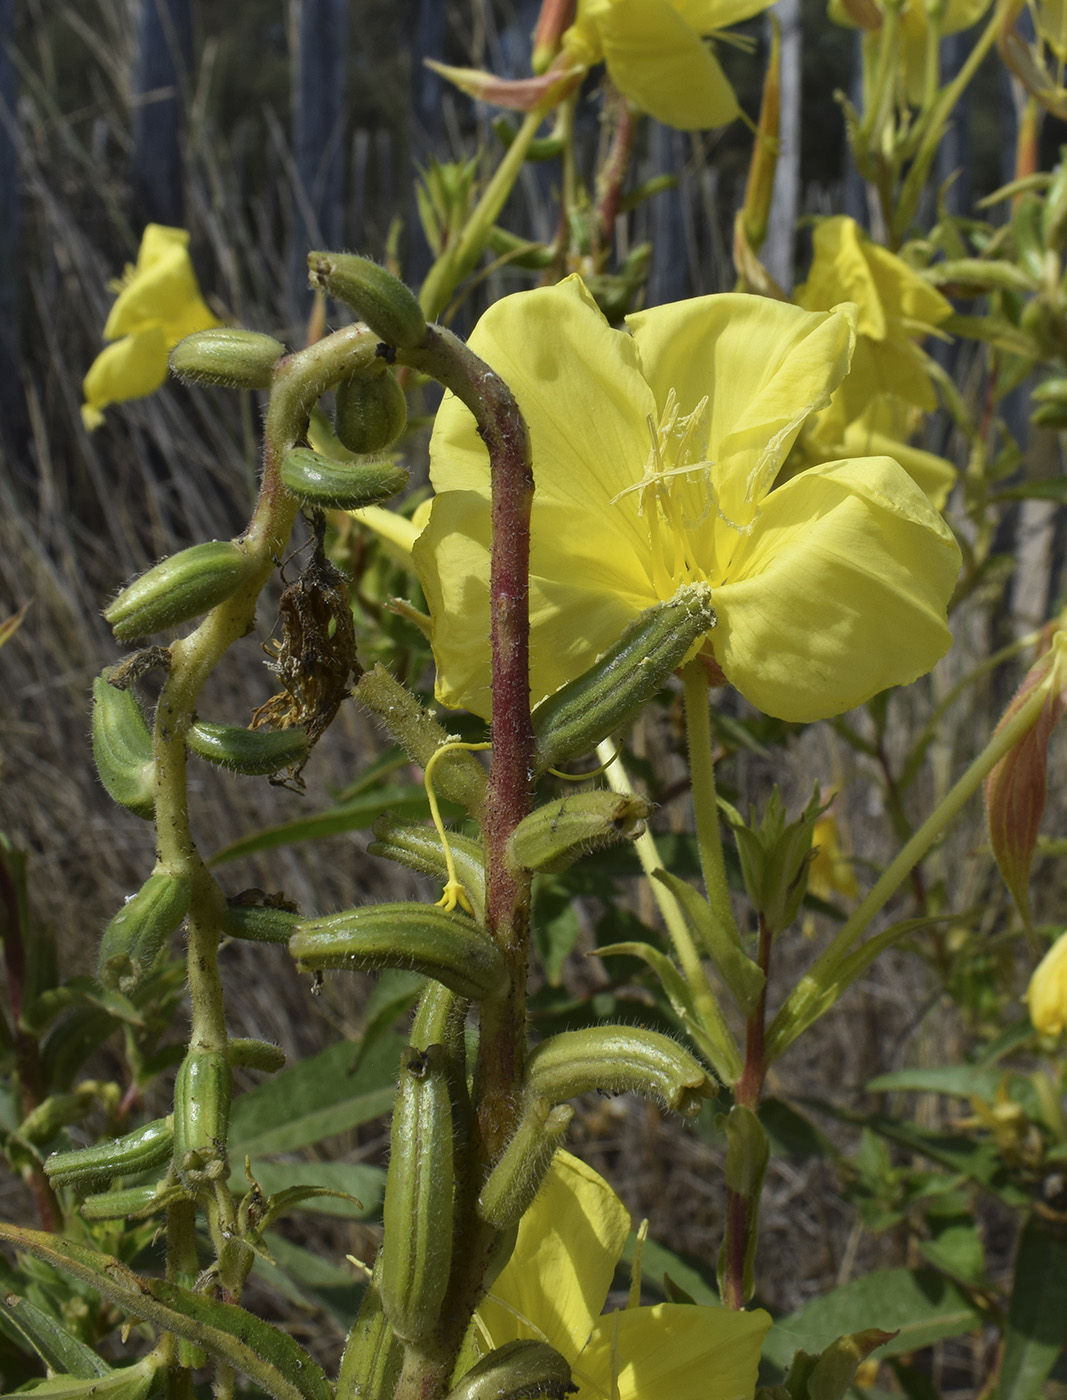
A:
<point x="178" y="589"/>
<point x="420" y="937"/>
<point x="332" y="484"/>
<point x="244" y="1053"/>
<point x="624" y="679"/>
<point x="1029" y="237"/>
<point x="1054" y="215"/>
<point x="617" y="1060"/>
<point x="418" y="846"/>
<point x="369" y="412"/>
<point x="130" y="1203"/>
<point x="122" y="748"/>
<point x="517" y="1371"/>
<point x="554" y="836"/>
<point x="228" y="357"/>
<point x="517" y="1175"/>
<point x="259" y="923"/>
<point x="202" y="1093"/>
<point x="255" y="753"/>
<point x="146" y="1147"/>
<point x="134" y="938"/>
<point x="374" y="294"/>
<point x="417" y="1242"/>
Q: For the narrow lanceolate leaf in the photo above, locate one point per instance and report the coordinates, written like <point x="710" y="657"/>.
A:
<point x="1037" y="1315"/>
<point x="267" y="1356"/>
<point x="1016" y="789"/>
<point x="52" y="1340"/>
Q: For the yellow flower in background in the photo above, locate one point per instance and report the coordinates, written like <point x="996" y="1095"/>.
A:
<point x="656" y="56"/>
<point x="159" y="303"/>
<point x="896" y="309"/>
<point x="1046" y="995"/>
<point x="556" y="1282"/>
<point x="867" y="14"/>
<point x="883" y="427"/>
<point x="654" y="452"/>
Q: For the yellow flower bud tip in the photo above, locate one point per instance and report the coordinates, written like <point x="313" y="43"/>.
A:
<point x="1046" y="996"/>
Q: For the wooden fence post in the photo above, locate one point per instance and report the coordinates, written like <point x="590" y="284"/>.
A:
<point x="319" y="68"/>
<point x="160" y="85"/>
<point x="12" y="404"/>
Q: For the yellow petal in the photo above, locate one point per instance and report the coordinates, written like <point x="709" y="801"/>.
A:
<point x="396" y="531"/>
<point x="673" y="1351"/>
<point x="881" y="431"/>
<point x="157" y="241"/>
<point x="1047" y="992"/>
<point x="661" y="64"/>
<point x="554" y="1285"/>
<point x="840" y="593"/>
<point x="765" y="366"/>
<point x="162" y="291"/>
<point x="130" y="369"/>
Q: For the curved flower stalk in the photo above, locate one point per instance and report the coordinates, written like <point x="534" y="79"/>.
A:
<point x="159" y="303"/>
<point x="655" y="450"/>
<point x="555" y="1285"/>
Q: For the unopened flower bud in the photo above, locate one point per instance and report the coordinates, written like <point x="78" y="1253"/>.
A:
<point x="134" y="938"/>
<point x="229" y="357"/>
<point x="122" y="748"/>
<point x="554" y="836"/>
<point x="326" y="482"/>
<point x="369" y="413"/>
<point x="517" y="1176"/>
<point x="178" y="589"/>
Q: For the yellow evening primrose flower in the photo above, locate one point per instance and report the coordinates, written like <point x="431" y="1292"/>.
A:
<point x="655" y="449"/>
<point x="1046" y="995"/>
<point x="656" y="55"/>
<point x="159" y="303"/>
<point x="958" y="15"/>
<point x="555" y="1285"/>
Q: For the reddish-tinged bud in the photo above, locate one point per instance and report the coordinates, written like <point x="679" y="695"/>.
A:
<point x="555" y="17"/>
<point x="1016" y="788"/>
<point x="517" y="94"/>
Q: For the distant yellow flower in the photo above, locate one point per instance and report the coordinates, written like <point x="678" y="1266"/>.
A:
<point x="555" y="1285"/>
<point x="1047" y="993"/>
<point x="655" y="450"/>
<point x="896" y="307"/>
<point x="830" y="872"/>
<point x="959" y="14"/>
<point x="159" y="303"/>
<point x="656" y="55"/>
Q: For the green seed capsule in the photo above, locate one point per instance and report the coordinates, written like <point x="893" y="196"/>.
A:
<point x="225" y="356"/>
<point x="244" y="1053"/>
<point x="134" y="938"/>
<point x="1054" y="215"/>
<point x="517" y="1176"/>
<point x="1029" y="238"/>
<point x="259" y="923"/>
<point x="375" y="295"/>
<point x="251" y="752"/>
<point x="138" y="1151"/>
<point x="417" y="1242"/>
<point x="624" y="679"/>
<point x="419" y="937"/>
<point x="337" y="485"/>
<point x="369" y="413"/>
<point x="131" y="1203"/>
<point x="553" y="837"/>
<point x="202" y="1094"/>
<point x="617" y="1060"/>
<point x="122" y="748"/>
<point x="177" y="589"/>
<point x="516" y="1371"/>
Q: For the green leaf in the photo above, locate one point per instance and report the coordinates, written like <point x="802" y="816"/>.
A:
<point x="793" y="1135"/>
<point x="53" y="1341"/>
<point x="660" y="1263"/>
<point x="555" y="926"/>
<point x="959" y="1081"/>
<point x="922" y="1306"/>
<point x="349" y="1179"/>
<point x="315" y="1099"/>
<point x="676" y="988"/>
<point x="310" y="1281"/>
<point x="79" y="991"/>
<point x="1053" y="490"/>
<point x="357" y="814"/>
<point x="124" y="1383"/>
<point x="1037" y="1314"/>
<point x="957" y="1251"/>
<point x="260" y="1351"/>
<point x="744" y="978"/>
<point x="394" y="995"/>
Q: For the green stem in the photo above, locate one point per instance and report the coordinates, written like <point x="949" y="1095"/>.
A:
<point x="457" y="261"/>
<point x="793" y="1017"/>
<point x="702" y="774"/>
<point x="723" y="1050"/>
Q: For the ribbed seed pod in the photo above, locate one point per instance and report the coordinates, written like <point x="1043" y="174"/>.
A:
<point x="146" y="1147"/>
<point x="228" y="357"/>
<point x="122" y="748"/>
<point x="417" y="1242"/>
<point x="516" y="1178"/>
<point x="332" y="484"/>
<point x="255" y="753"/>
<point x="202" y="1094"/>
<point x="554" y="836"/>
<point x="522" y="1370"/>
<point x="374" y="294"/>
<point x="369" y="412"/>
<point x="178" y="589"/>
<point x="617" y="1060"/>
<point x="134" y="938"/>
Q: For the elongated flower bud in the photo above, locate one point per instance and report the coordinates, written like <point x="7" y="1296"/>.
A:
<point x="374" y="294"/>
<point x="625" y="678"/>
<point x="226" y="356"/>
<point x="369" y="412"/>
<point x="336" y="485"/>
<point x="617" y="1060"/>
<point x="554" y="836"/>
<point x="146" y="1147"/>
<point x="423" y="938"/>
<point x="517" y="1176"/>
<point x="134" y="938"/>
<point x="253" y="752"/>
<point x="516" y="1371"/>
<point x="417" y="1243"/>
<point x="177" y="589"/>
<point x="122" y="748"/>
